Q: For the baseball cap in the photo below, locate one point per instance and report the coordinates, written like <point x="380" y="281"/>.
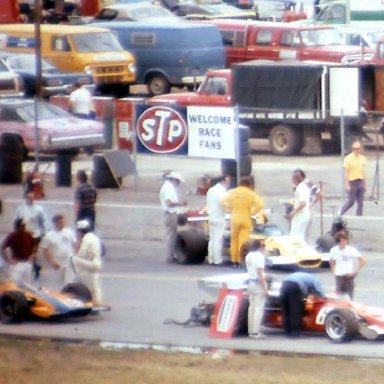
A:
<point x="175" y="175"/>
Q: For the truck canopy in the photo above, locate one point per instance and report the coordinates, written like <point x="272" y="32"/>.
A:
<point x="278" y="85"/>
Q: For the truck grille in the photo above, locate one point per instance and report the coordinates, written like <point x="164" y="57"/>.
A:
<point x="111" y="69"/>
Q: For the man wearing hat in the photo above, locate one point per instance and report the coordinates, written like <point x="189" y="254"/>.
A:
<point x="170" y="202"/>
<point x="87" y="261"/>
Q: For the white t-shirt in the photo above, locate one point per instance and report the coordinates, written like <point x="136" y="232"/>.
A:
<point x="81" y="101"/>
<point x="215" y="210"/>
<point x="35" y="218"/>
<point x="253" y="261"/>
<point x="168" y="192"/>
<point x="346" y="259"/>
<point x="60" y="244"/>
<point x="302" y="194"/>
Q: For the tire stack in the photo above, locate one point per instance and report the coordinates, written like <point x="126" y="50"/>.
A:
<point x="11" y="159"/>
<point x="228" y="167"/>
<point x="101" y="175"/>
<point x="63" y="175"/>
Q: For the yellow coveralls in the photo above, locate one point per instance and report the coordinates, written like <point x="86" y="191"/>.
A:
<point x="242" y="203"/>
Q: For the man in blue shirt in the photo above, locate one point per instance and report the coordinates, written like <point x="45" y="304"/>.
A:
<point x="294" y="289"/>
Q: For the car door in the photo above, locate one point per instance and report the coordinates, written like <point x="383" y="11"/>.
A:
<point x="262" y="45"/>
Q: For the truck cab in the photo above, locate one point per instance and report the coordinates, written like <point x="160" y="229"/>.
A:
<point x="215" y="90"/>
<point x="245" y="40"/>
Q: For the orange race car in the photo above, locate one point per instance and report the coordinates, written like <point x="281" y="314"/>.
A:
<point x="19" y="303"/>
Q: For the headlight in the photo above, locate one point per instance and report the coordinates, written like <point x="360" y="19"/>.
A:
<point x="132" y="67"/>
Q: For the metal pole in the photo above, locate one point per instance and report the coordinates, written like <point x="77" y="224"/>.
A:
<point x="347" y="11"/>
<point x="38" y="96"/>
<point x="342" y="152"/>
<point x="321" y="209"/>
<point x="237" y="138"/>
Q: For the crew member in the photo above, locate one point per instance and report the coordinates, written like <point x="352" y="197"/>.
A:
<point x="80" y="102"/>
<point x="87" y="261"/>
<point x="242" y="202"/>
<point x="354" y="165"/>
<point x="345" y="262"/>
<point x="257" y="287"/>
<point x="295" y="288"/>
<point x="216" y="220"/>
<point x="300" y="214"/>
<point x="170" y="202"/>
<point x="19" y="249"/>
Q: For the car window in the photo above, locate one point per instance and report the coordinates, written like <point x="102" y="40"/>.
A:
<point x="45" y="112"/>
<point x="96" y="42"/>
<point x="232" y="38"/>
<point x="106" y="14"/>
<point x="263" y="38"/>
<point x="60" y="44"/>
<point x="3" y="67"/>
<point x="27" y="62"/>
<point x="216" y="86"/>
<point x="333" y="13"/>
<point x="9" y="115"/>
<point x="290" y="39"/>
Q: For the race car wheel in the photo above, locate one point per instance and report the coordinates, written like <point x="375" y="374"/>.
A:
<point x="191" y="246"/>
<point x="14" y="307"/>
<point x="78" y="291"/>
<point x="341" y="325"/>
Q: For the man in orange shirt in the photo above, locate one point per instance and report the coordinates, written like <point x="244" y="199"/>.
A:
<point x="242" y="202"/>
<point x="354" y="165"/>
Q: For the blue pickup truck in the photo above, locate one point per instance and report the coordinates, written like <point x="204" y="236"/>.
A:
<point x="170" y="54"/>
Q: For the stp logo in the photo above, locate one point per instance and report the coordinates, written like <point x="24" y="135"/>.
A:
<point x="161" y="130"/>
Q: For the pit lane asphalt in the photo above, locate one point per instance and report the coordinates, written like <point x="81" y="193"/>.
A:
<point x="144" y="291"/>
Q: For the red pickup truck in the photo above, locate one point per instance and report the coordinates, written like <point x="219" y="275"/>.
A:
<point x="251" y="40"/>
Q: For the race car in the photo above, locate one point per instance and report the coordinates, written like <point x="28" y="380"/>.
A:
<point x="339" y="318"/>
<point x="281" y="251"/>
<point x="19" y="303"/>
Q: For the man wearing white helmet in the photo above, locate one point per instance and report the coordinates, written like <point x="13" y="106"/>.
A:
<point x="87" y="261"/>
<point x="170" y="202"/>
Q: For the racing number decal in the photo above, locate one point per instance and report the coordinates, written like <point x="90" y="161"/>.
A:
<point x="161" y="130"/>
<point x="322" y="314"/>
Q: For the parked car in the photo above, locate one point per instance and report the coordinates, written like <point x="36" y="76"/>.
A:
<point x="260" y="40"/>
<point x="206" y="9"/>
<point x="53" y="81"/>
<point x="134" y="12"/>
<point x="58" y="130"/>
<point x="10" y="83"/>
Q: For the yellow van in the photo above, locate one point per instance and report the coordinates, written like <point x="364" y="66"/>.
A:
<point x="74" y="48"/>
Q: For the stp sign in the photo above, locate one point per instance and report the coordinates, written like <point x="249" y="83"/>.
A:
<point x="161" y="130"/>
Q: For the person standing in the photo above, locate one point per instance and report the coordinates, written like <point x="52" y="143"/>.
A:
<point x="242" y="202"/>
<point x="257" y="288"/>
<point x="170" y="203"/>
<point x="345" y="262"/>
<point x="216" y="220"/>
<point x="80" y="102"/>
<point x="354" y="165"/>
<point x="87" y="261"/>
<point x="58" y="246"/>
<point x="300" y="215"/>
<point x="36" y="222"/>
<point x="294" y="289"/>
<point x="85" y="199"/>
<point x="19" y="250"/>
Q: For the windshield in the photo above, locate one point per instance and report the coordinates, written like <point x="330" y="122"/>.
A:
<point x="317" y="37"/>
<point x="28" y="62"/>
<point x="214" y="86"/>
<point x="96" y="42"/>
<point x="45" y="112"/>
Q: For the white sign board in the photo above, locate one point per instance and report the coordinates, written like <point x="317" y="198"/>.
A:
<point x="211" y="132"/>
<point x="344" y="91"/>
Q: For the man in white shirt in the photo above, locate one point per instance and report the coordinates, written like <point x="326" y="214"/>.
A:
<point x="58" y="247"/>
<point x="170" y="202"/>
<point x="345" y="262"/>
<point x="216" y="220"/>
<point x="87" y="261"/>
<point x="257" y="288"/>
<point x="300" y="214"/>
<point x="80" y="101"/>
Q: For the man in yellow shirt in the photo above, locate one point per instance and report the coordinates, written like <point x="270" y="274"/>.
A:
<point x="354" y="165"/>
<point x="242" y="202"/>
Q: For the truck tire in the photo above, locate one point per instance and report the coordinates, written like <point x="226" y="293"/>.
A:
<point x="157" y="84"/>
<point x="191" y="246"/>
<point x="285" y="140"/>
<point x="14" y="307"/>
<point x="79" y="291"/>
<point x="341" y="325"/>
<point x="11" y="159"/>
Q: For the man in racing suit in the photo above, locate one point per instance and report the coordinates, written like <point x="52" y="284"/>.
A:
<point x="87" y="261"/>
<point x="242" y="202"/>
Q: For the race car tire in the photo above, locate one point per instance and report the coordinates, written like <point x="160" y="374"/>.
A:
<point x="191" y="246"/>
<point x="79" y="291"/>
<point x="341" y="325"/>
<point x="14" y="307"/>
